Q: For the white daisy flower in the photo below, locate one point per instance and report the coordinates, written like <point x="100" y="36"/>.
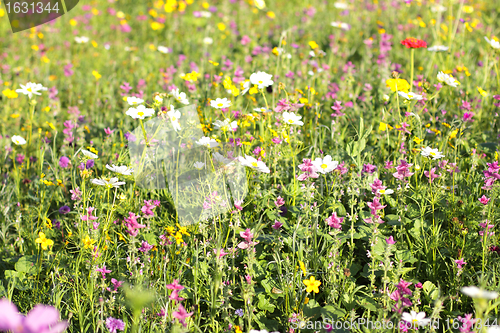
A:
<point x="493" y="329"/>
<point x="292" y="119"/>
<point x="174" y="118"/>
<point x="410" y="96"/>
<point x="122" y="169"/>
<point x="18" y="140"/>
<point x="385" y="98"/>
<point x="438" y="8"/>
<point x="493" y="43"/>
<point x="475" y="292"/>
<point x="325" y="165"/>
<point x="262" y="109"/>
<point x="163" y="49"/>
<point x="179" y="96"/>
<point x="31" y="89"/>
<point x="89" y="154"/>
<point x="341" y="25"/>
<point x="133" y="101"/>
<point x="447" y="79"/>
<point x="415" y="319"/>
<point x="245" y="87"/>
<point x="199" y="165"/>
<point x="205" y="14"/>
<point x="251" y="162"/>
<point x="219" y="158"/>
<point x="261" y="79"/>
<point x="140" y="112"/>
<point x="387" y="191"/>
<point x="207" y="40"/>
<point x="108" y="182"/>
<point x="207" y="142"/>
<point x="438" y="48"/>
<point x="81" y="40"/>
<point x="220" y="103"/>
<point x="429" y="152"/>
<point x="226" y="125"/>
<point x="341" y="5"/>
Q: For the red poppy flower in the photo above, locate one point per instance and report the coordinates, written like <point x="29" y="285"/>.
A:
<point x="413" y="43"/>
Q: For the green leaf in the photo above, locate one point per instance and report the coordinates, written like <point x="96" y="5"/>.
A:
<point x="367" y="303"/>
<point x="264" y="304"/>
<point x="332" y="312"/>
<point x="405" y="256"/>
<point x="311" y="310"/>
<point x="430" y="290"/>
<point x="150" y="238"/>
<point x="27" y="264"/>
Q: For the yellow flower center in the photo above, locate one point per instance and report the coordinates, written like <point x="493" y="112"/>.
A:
<point x="173" y="118"/>
<point x="324" y="166"/>
<point x="220" y="104"/>
<point x="140" y="113"/>
<point x="290" y="121"/>
<point x="29" y="89"/>
<point x="433" y="153"/>
<point x="260" y="82"/>
<point x="254" y="164"/>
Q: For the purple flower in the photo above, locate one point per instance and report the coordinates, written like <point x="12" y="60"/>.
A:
<point x="103" y="271"/>
<point x="376" y="186"/>
<point x="63" y="162"/>
<point x="20" y="158"/>
<point x="247" y="235"/>
<point x="279" y="201"/>
<point x="175" y="296"/>
<point x="90" y="164"/>
<point x="132" y="224"/>
<point x="277" y="224"/>
<point x="76" y="194"/>
<point x="484" y="200"/>
<point x="41" y="319"/>
<point x="114" y="324"/>
<point x="432" y="175"/>
<point x="108" y="131"/>
<point x="181" y="314"/>
<point x="375" y="205"/>
<point x="145" y="247"/>
<point x="390" y="241"/>
<point x="334" y="221"/>
<point x="175" y="285"/>
<point x="147" y="209"/>
<point x="460" y="262"/>
<point x="64" y="210"/>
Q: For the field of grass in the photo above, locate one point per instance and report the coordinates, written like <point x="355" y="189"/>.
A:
<point x="251" y="166"/>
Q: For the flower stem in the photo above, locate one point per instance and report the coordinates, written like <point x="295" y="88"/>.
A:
<point x="412" y="56"/>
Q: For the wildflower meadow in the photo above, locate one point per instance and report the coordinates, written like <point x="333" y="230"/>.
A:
<point x="250" y="166"/>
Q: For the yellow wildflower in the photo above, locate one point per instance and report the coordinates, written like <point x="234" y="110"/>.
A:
<point x="10" y="93"/>
<point x="482" y="92"/>
<point x="398" y="85"/>
<point x="88" y="242"/>
<point x="313" y="45"/>
<point x="42" y="240"/>
<point x="182" y="230"/>
<point x="312" y="284"/>
<point x="302" y="267"/>
<point x="96" y="75"/>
